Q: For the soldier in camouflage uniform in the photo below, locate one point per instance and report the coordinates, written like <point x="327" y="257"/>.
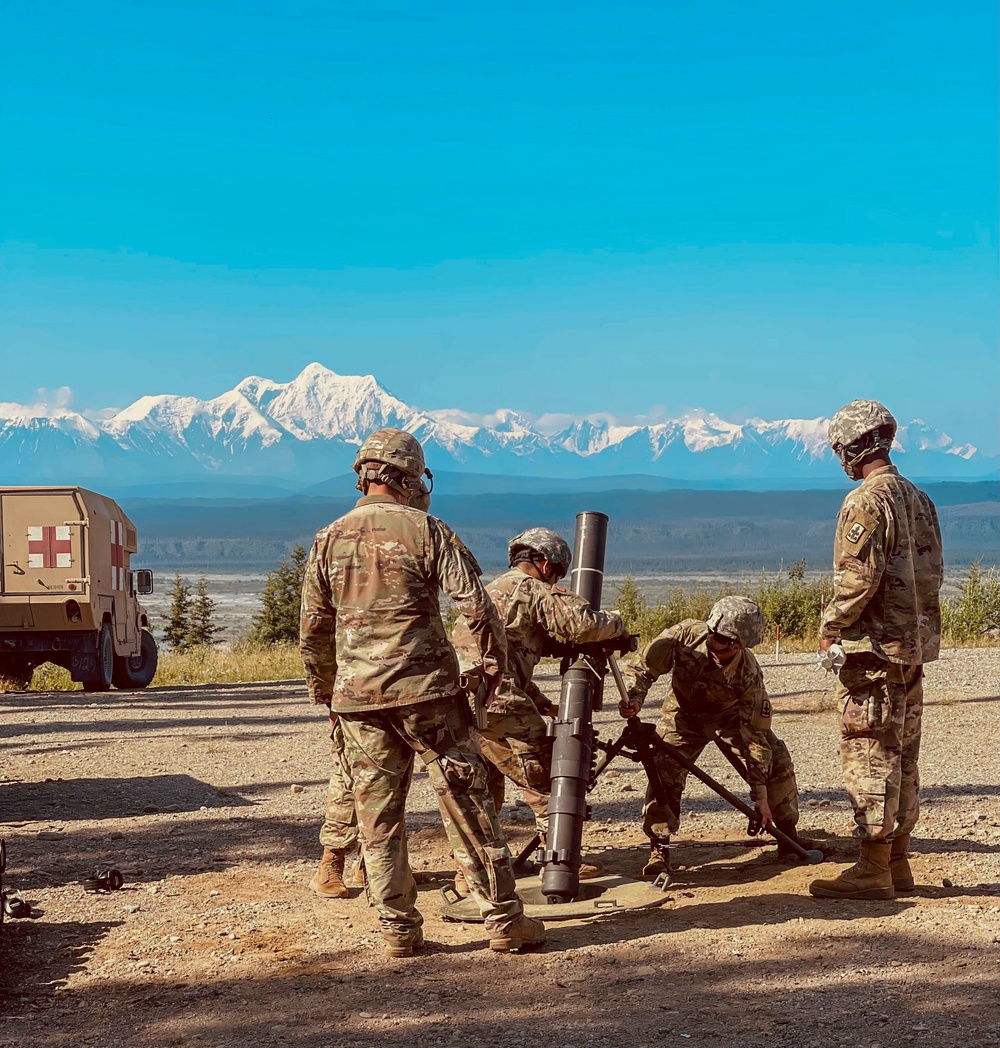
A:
<point x="882" y="624"/>
<point x="536" y="613"/>
<point x="373" y="643"/>
<point x="716" y="694"/>
<point x="339" y="832"/>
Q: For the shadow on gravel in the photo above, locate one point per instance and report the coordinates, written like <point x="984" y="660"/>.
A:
<point x="961" y="702"/>
<point x="67" y="799"/>
<point x="156" y="728"/>
<point x="614" y="983"/>
<point x="160" y="847"/>
<point x="38" y="956"/>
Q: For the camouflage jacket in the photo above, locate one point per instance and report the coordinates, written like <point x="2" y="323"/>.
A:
<point x="887" y="570"/>
<point x="705" y="694"/>
<point x="370" y="632"/>
<point x="534" y="613"/>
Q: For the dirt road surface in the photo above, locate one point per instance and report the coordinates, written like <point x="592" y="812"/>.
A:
<point x="209" y="801"/>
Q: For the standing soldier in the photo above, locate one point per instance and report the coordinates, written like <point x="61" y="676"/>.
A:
<point x="536" y="613"/>
<point x="371" y="632"/>
<point x="339" y="832"/>
<point x="881" y="625"/>
<point x="716" y="694"/>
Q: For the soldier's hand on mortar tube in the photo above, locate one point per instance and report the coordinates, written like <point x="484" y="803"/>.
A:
<point x="629" y="709"/>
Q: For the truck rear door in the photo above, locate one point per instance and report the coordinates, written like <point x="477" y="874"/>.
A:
<point x="43" y="545"/>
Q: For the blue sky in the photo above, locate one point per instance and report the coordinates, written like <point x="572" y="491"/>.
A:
<point x="755" y="208"/>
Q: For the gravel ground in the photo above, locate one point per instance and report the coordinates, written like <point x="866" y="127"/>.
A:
<point x="208" y="800"/>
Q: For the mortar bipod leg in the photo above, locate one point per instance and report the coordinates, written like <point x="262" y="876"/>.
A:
<point x="525" y="853"/>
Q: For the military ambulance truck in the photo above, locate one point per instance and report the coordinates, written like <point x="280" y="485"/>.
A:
<point x="68" y="594"/>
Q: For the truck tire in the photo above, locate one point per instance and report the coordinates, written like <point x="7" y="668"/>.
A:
<point x="136" y="671"/>
<point x="104" y="663"/>
<point x="18" y="671"/>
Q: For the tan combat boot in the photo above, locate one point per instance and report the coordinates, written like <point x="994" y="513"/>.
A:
<point x="659" y="857"/>
<point x="359" y="879"/>
<point x="524" y="934"/>
<point x="328" y="880"/>
<point x="899" y="866"/>
<point x="399" y="943"/>
<point x="868" y="878"/>
<point x="461" y="884"/>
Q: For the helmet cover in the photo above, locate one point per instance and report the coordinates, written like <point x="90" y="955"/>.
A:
<point x="738" y="618"/>
<point x="856" y="419"/>
<point x="397" y="449"/>
<point x="550" y="544"/>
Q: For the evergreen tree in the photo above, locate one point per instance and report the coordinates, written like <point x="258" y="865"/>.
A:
<point x="178" y="625"/>
<point x="631" y="604"/>
<point x="278" y="618"/>
<point x="202" y="628"/>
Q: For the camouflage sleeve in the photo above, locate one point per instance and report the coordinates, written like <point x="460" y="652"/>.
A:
<point x="571" y="618"/>
<point x="456" y="572"/>
<point x="859" y="560"/>
<point x="643" y="670"/>
<point x="755" y="724"/>
<point x="317" y="630"/>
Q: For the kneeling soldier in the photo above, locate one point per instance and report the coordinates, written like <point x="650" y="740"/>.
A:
<point x="716" y="694"/>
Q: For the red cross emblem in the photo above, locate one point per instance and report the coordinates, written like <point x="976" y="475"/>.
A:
<point x="49" y="547"/>
<point x="117" y="556"/>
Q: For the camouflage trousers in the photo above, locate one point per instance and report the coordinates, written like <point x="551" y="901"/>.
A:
<point x="881" y="705"/>
<point x="379" y="748"/>
<point x="690" y="737"/>
<point x="516" y="746"/>
<point x="339" y="831"/>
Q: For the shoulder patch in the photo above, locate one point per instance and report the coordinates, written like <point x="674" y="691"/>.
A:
<point x="858" y="529"/>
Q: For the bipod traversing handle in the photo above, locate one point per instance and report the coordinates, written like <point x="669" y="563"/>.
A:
<point x="643" y="735"/>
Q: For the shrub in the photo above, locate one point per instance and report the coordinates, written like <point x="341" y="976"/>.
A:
<point x="975" y="613"/>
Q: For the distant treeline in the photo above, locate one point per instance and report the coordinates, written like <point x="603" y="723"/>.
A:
<point x="659" y="531"/>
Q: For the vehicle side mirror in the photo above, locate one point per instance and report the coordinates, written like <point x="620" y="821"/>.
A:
<point x="143" y="582"/>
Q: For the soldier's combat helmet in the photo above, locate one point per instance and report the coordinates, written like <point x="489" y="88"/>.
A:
<point x="549" y="544"/>
<point x="393" y="457"/>
<point x="858" y="431"/>
<point x="739" y="619"/>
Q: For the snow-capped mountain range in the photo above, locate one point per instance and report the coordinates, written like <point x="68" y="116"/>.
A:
<point x="308" y="429"/>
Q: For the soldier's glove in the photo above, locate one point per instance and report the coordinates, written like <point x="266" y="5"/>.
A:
<point x="830" y="659"/>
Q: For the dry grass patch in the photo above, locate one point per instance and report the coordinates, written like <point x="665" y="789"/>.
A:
<point x="245" y="661"/>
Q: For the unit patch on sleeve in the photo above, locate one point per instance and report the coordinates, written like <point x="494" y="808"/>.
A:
<point x="858" y="530"/>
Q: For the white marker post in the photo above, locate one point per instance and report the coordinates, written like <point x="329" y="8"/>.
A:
<point x="777" y="640"/>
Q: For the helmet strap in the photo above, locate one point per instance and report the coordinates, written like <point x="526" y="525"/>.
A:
<point x="381" y="473"/>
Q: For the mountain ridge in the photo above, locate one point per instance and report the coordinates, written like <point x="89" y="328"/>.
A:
<point x="311" y="426"/>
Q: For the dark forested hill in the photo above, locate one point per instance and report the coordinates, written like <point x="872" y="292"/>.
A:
<point x="649" y="529"/>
